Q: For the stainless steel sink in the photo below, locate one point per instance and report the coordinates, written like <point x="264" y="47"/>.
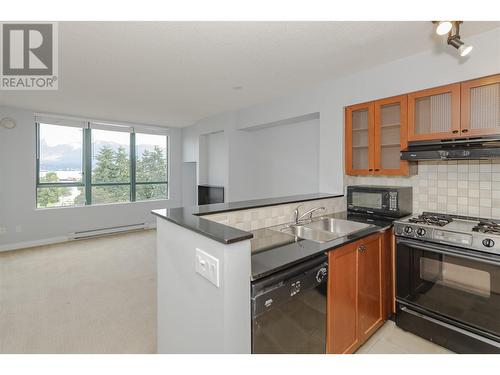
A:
<point x="306" y="233"/>
<point x="337" y="226"/>
<point x="323" y="230"/>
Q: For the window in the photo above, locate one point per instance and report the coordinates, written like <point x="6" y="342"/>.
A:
<point x="87" y="164"/>
<point x="151" y="166"/>
<point x="60" y="166"/>
<point x="110" y="166"/>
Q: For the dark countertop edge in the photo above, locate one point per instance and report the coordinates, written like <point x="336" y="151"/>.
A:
<point x="211" y="209"/>
<point x="192" y="217"/>
<point x="237" y="235"/>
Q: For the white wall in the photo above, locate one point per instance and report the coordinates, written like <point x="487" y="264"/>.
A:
<point x="413" y="73"/>
<point x="195" y="316"/>
<point x="216" y="159"/>
<point x="276" y="161"/>
<point x="189" y="186"/>
<point x="17" y="192"/>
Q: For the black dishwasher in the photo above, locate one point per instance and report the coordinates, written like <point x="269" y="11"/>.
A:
<point x="289" y="310"/>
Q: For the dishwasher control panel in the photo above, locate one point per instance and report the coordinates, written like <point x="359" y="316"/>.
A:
<point x="281" y="287"/>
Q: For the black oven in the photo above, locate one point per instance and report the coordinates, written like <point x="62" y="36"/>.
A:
<point x="449" y="295"/>
<point x="387" y="201"/>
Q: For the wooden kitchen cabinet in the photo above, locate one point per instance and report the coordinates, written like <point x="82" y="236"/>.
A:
<point x="434" y="113"/>
<point x="389" y="272"/>
<point x="356" y="287"/>
<point x="342" y="300"/>
<point x="375" y="134"/>
<point x="359" y="139"/>
<point x="391" y="133"/>
<point x="480" y="107"/>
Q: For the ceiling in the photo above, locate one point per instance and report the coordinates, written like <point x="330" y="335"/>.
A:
<point x="174" y="73"/>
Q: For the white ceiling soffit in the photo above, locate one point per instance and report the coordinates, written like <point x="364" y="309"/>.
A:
<point x="174" y="73"/>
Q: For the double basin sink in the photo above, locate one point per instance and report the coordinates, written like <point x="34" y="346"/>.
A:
<point x="322" y="230"/>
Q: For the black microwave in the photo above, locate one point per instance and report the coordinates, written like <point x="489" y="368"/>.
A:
<point x="392" y="201"/>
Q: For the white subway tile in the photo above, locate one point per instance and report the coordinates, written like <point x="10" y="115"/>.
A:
<point x="485" y="212"/>
<point x="495" y="213"/>
<point x="485" y="167"/>
<point x="485" y="202"/>
<point x="473" y="193"/>
<point x="473" y="211"/>
<point x="485" y="185"/>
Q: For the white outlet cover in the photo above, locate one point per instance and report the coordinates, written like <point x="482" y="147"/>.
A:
<point x="207" y="266"/>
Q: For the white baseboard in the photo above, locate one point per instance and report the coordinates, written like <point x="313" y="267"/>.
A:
<point x="26" y="244"/>
<point x="49" y="241"/>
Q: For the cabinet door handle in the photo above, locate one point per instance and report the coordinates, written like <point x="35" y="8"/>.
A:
<point x="376" y="169"/>
<point x="455" y="131"/>
<point x="465" y="130"/>
<point x="361" y="248"/>
<point x="370" y="170"/>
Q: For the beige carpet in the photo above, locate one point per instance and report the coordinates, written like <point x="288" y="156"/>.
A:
<point x="99" y="296"/>
<point x="88" y="296"/>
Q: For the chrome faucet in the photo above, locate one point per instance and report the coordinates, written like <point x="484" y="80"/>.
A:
<point x="308" y="212"/>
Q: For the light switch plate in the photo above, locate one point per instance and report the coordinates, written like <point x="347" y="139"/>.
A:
<point x="207" y="266"/>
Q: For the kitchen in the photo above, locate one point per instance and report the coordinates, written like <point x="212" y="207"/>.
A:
<point x="441" y="138"/>
<point x="272" y="187"/>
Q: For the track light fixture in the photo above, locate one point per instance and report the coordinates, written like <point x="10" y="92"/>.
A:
<point x="443" y="27"/>
<point x="452" y="28"/>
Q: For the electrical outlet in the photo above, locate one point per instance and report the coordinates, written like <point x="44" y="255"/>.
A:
<point x="207" y="266"/>
<point x="19" y="229"/>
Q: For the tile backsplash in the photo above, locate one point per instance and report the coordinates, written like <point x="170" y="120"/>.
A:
<point x="263" y="217"/>
<point x="469" y="188"/>
<point x="464" y="187"/>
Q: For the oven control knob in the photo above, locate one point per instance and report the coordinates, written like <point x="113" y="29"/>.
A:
<point x="321" y="275"/>
<point x="488" y="242"/>
<point x="421" y="232"/>
<point x="408" y="230"/>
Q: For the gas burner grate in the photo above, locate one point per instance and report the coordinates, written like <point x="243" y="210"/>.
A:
<point x="489" y="227"/>
<point x="431" y="219"/>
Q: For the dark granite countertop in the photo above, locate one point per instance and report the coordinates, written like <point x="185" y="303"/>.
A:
<point x="192" y="217"/>
<point x="273" y="251"/>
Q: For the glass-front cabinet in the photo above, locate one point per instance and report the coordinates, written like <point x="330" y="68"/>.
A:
<point x="434" y="113"/>
<point x="390" y="135"/>
<point x="375" y="134"/>
<point x="480" y="106"/>
<point x="359" y="139"/>
<point x="459" y="110"/>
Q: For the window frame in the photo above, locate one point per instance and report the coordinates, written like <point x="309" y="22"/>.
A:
<point x="86" y="181"/>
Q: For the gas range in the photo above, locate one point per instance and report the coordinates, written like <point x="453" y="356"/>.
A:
<point x="466" y="232"/>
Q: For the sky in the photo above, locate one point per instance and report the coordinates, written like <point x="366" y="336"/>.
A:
<point x="54" y="135"/>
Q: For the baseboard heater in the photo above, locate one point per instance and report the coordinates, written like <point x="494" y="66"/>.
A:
<point x="107" y="231"/>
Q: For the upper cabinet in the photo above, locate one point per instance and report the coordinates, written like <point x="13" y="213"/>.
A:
<point x="359" y="138"/>
<point x="375" y="133"/>
<point x="480" y="106"/>
<point x="467" y="109"/>
<point x="434" y="113"/>
<point x="390" y="135"/>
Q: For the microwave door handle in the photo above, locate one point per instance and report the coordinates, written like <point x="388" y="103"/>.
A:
<point x="446" y="251"/>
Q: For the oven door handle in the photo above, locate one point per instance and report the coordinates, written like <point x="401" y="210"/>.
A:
<point x="446" y="250"/>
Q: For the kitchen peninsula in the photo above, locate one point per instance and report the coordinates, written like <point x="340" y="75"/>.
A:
<point x="209" y="256"/>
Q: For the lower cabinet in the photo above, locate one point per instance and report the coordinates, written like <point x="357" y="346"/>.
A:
<point x="358" y="303"/>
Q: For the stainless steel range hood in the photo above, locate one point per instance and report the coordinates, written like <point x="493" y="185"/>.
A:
<point x="483" y="148"/>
